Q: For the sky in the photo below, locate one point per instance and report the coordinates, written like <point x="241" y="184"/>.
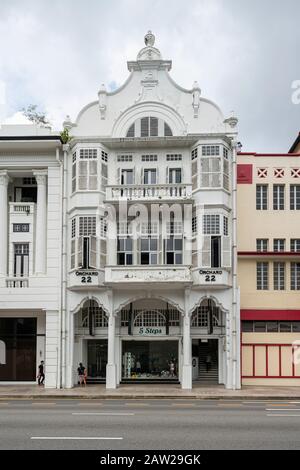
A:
<point x="244" y="55"/>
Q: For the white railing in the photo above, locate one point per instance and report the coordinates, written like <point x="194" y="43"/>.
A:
<point x="17" y="282"/>
<point x="22" y="207"/>
<point x="147" y="274"/>
<point x="149" y="191"/>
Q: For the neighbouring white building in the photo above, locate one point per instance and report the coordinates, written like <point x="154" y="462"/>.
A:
<point x="120" y="246"/>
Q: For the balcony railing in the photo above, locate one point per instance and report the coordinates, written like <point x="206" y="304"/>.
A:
<point x="21" y="207"/>
<point x="149" y="192"/>
<point x="147" y="274"/>
<point x="17" y="282"/>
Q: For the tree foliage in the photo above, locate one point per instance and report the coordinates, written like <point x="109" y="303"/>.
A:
<point x="34" y="115"/>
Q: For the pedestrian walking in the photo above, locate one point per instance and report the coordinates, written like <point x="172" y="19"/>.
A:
<point x="41" y="374"/>
<point x="82" y="374"/>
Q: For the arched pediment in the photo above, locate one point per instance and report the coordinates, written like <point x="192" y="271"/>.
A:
<point x="145" y="109"/>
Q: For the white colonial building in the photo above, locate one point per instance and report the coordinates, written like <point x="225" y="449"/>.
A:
<point x="129" y="262"/>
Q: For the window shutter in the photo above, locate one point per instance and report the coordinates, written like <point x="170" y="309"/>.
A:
<point x="145" y="127"/>
<point x="153" y="127"/>
<point x="80" y="251"/>
<point x="119" y="175"/>
<point x="167" y="175"/>
<point x="226" y="252"/>
<point x="205" y="252"/>
<point x="93" y="252"/>
<point x="102" y="253"/>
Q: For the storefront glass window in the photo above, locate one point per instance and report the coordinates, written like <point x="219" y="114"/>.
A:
<point x="150" y="360"/>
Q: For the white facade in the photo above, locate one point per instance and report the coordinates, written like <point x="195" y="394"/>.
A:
<point x="137" y="246"/>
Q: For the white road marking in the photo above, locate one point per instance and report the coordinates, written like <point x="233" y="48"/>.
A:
<point x="71" y="438"/>
<point x="282" y="415"/>
<point x="282" y="409"/>
<point x="103" y="414"/>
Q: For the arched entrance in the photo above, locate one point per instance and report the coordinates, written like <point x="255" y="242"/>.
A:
<point x="149" y="335"/>
<point x="91" y="330"/>
<point x="207" y="333"/>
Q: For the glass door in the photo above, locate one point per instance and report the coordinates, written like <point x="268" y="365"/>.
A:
<point x="97" y="358"/>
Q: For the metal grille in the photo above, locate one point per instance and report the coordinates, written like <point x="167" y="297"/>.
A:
<point x="200" y="317"/>
<point x="87" y="226"/>
<point x="149" y="318"/>
<point x="149" y="158"/>
<point x="174" y="157"/>
<point x="88" y="153"/>
<point x="211" y="224"/>
<point x="98" y="315"/>
<point x="210" y="150"/>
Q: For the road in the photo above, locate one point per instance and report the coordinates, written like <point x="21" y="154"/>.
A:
<point x="149" y="424"/>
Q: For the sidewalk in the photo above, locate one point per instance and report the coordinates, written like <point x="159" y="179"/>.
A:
<point x="216" y="392"/>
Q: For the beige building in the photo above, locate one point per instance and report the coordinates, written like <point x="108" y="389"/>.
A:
<point x="268" y="217"/>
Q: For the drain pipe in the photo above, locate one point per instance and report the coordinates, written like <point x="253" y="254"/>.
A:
<point x="59" y="327"/>
<point x="64" y="264"/>
<point x="235" y="317"/>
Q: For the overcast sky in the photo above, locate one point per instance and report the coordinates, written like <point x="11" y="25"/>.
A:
<point x="244" y="55"/>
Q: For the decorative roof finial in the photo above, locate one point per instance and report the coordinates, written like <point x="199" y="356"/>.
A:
<point x="149" y="39"/>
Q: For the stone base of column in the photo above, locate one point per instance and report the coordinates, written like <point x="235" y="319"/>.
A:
<point x="111" y="376"/>
<point x="186" y="382"/>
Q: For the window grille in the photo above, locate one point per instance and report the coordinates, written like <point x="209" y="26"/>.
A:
<point x="262" y="276"/>
<point x="88" y="153"/>
<point x="124" y="158"/>
<point x="174" y="157"/>
<point x="149" y="318"/>
<point x="87" y="226"/>
<point x="149" y="158"/>
<point x="210" y="150"/>
<point x="211" y="224"/>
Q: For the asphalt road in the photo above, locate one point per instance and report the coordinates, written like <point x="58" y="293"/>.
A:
<point x="149" y="424"/>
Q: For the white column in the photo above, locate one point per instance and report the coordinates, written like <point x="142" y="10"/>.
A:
<point x="51" y="349"/>
<point x="41" y="222"/>
<point x="70" y="352"/>
<point x="111" y="369"/>
<point x="186" y="382"/>
<point x="4" y="179"/>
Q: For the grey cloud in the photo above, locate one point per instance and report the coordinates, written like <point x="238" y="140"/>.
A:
<point x="243" y="54"/>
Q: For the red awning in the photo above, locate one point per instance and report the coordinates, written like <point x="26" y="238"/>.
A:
<point x="270" y="314"/>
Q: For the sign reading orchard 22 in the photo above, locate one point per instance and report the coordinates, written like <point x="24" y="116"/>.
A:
<point x="210" y="276"/>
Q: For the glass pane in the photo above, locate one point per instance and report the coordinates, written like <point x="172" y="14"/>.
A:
<point x="153" y="244"/>
<point x="83" y="168"/>
<point x="178" y="258"/>
<point x="144" y="244"/>
<point x="178" y="244"/>
<point x="129" y="259"/>
<point x="128" y="244"/>
<point x="93" y="182"/>
<point x="82" y="182"/>
<point x="150" y="359"/>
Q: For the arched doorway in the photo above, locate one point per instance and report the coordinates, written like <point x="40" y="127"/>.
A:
<point x="207" y="331"/>
<point x="91" y="339"/>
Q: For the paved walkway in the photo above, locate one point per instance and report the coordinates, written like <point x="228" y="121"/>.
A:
<point x="148" y="391"/>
